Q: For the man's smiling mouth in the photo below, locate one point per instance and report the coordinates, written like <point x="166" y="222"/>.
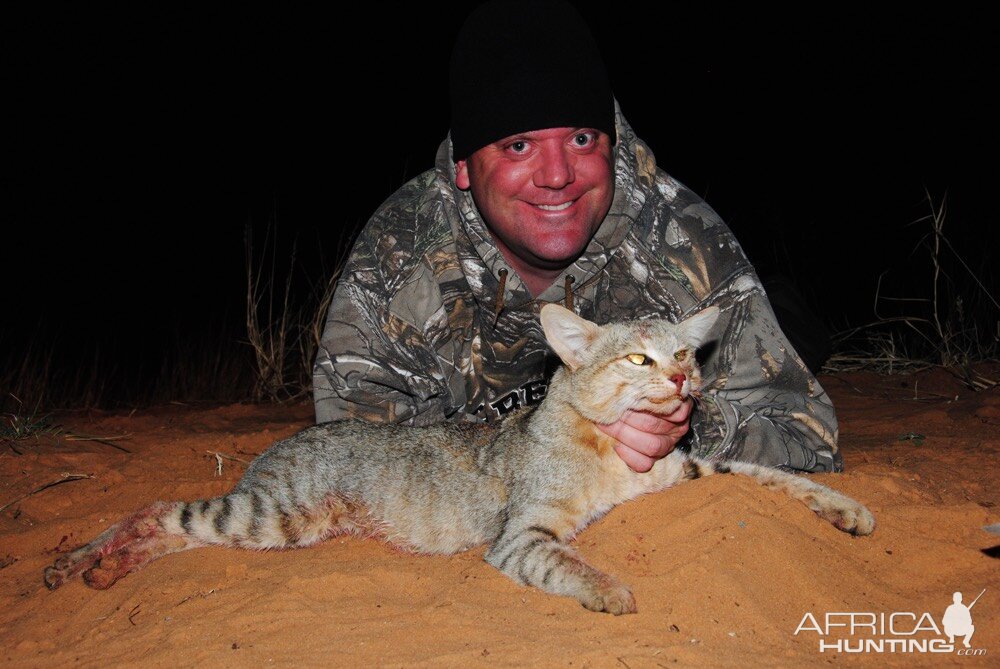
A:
<point x="555" y="207"/>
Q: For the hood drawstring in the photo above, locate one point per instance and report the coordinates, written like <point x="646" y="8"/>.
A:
<point x="502" y="277"/>
<point x="502" y="274"/>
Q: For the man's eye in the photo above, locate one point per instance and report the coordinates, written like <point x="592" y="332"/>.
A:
<point x="583" y="139"/>
<point x="518" y="147"/>
<point x="639" y="359"/>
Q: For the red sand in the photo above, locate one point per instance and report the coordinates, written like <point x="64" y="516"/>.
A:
<point x="723" y="571"/>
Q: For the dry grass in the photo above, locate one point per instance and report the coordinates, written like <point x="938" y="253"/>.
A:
<point x="24" y="427"/>
<point x="934" y="331"/>
<point x="282" y="332"/>
<point x="58" y="369"/>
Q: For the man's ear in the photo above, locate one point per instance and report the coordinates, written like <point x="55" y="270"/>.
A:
<point x="462" y="174"/>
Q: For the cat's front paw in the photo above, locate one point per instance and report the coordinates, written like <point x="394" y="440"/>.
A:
<point x="843" y="513"/>
<point x="856" y="520"/>
<point x="615" y="599"/>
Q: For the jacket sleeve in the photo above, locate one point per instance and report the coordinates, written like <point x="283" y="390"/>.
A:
<point x="761" y="403"/>
<point x="374" y="362"/>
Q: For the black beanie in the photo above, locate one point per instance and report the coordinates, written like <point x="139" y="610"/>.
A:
<point x="519" y="66"/>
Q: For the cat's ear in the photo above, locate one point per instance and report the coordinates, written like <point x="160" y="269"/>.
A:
<point x="569" y="335"/>
<point x="696" y="327"/>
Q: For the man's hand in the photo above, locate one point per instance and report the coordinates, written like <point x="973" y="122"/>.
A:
<point x="644" y="438"/>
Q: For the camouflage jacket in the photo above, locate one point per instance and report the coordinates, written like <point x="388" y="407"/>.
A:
<point x="414" y="335"/>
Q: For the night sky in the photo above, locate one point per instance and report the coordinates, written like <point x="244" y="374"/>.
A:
<point x="143" y="144"/>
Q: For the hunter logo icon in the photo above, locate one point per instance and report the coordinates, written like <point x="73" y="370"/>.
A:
<point x="896" y="631"/>
<point x="957" y="619"/>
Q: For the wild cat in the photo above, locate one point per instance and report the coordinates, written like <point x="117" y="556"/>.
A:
<point x="524" y="486"/>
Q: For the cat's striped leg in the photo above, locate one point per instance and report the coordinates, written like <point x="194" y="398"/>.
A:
<point x="841" y="511"/>
<point x="252" y="519"/>
<point x="533" y="554"/>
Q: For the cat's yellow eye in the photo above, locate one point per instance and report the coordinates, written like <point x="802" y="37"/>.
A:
<point x="681" y="355"/>
<point x="639" y="359"/>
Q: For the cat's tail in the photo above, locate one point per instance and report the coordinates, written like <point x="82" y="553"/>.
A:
<point x="244" y="519"/>
<point x="840" y="510"/>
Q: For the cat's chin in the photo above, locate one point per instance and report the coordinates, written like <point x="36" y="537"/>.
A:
<point x="661" y="405"/>
<point x="663" y="400"/>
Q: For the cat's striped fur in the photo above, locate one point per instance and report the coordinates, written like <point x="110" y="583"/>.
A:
<point x="524" y="486"/>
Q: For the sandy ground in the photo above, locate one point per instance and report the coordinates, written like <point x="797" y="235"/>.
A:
<point x="723" y="571"/>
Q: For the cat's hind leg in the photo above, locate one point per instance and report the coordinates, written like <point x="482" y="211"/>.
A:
<point x="121" y="548"/>
<point x="251" y="518"/>
<point x="533" y="554"/>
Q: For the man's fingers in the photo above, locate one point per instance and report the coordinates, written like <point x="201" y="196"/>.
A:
<point x="682" y="413"/>
<point x="647" y="422"/>
<point x="636" y="461"/>
<point x="612" y="429"/>
<point x="644" y="438"/>
<point x="652" y="445"/>
<point x="658" y="424"/>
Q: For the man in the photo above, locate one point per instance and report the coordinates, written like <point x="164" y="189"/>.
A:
<point x="957" y="620"/>
<point x="543" y="193"/>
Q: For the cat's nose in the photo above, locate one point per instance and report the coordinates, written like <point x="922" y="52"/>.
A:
<point x="678" y="380"/>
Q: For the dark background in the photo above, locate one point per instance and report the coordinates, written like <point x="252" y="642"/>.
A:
<point x="142" y="145"/>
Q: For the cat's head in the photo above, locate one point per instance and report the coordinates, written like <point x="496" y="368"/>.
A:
<point x="643" y="365"/>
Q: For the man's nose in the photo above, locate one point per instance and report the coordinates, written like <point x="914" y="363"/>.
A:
<point x="556" y="167"/>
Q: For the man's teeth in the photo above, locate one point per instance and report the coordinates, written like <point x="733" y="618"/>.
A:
<point x="556" y="207"/>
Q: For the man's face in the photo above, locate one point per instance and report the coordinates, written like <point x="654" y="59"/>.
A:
<point x="543" y="194"/>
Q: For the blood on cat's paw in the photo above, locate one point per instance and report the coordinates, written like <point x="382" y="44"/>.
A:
<point x="100" y="579"/>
